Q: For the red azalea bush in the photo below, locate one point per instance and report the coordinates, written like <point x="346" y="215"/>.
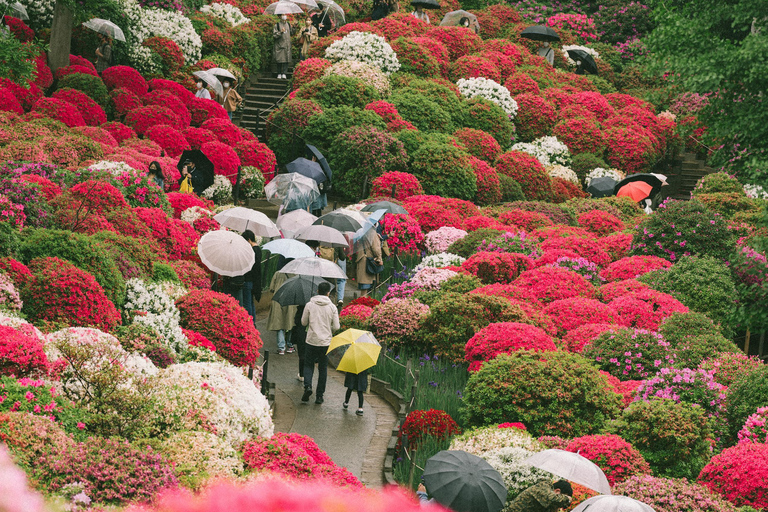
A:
<point x="144" y="147"/>
<point x="9" y="102"/>
<point x="505" y="63"/>
<point x="617" y="458"/>
<point x="479" y="144"/>
<point x="16" y="270"/>
<point x="224" y="130"/>
<point x="256" y="154"/>
<point x="221" y="319"/>
<point x="169" y="52"/>
<point x="525" y="219"/>
<point x="60" y="292"/>
<point x="170" y="139"/>
<point x="594" y="102"/>
<point x="224" y="158"/>
<point x="584" y="247"/>
<point x="629" y="150"/>
<point x="646" y="309"/>
<point x="22" y="353"/>
<point x="563" y="190"/>
<point x="488" y="184"/>
<point x="632" y="267"/>
<point x="392" y="29"/>
<point x="191" y="274"/>
<point x="143" y="118"/>
<point x="528" y="172"/>
<point x="356" y="311"/>
<point x="728" y="368"/>
<point x="310" y="69"/>
<point x="202" y="109"/>
<point x="405" y="185"/>
<point x="180" y="202"/>
<point x="92" y="113"/>
<point x="48" y="188"/>
<point x="100" y="135"/>
<point x="119" y="131"/>
<point x="568" y="314"/>
<point x="198" y="340"/>
<point x="181" y="92"/>
<point x="610" y="291"/>
<point x="390" y="115"/>
<point x="94" y="196"/>
<point x="74" y="69"/>
<point x="505" y="338"/>
<point x="600" y="223"/>
<point x="520" y="83"/>
<point x="432" y="423"/>
<point x="403" y="232"/>
<point x="459" y="41"/>
<point x="472" y="66"/>
<point x="27" y="96"/>
<point x="415" y="58"/>
<point x="627" y="389"/>
<point x="432" y="216"/>
<point x="125" y="77"/>
<point x="576" y="339"/>
<point x="60" y="110"/>
<point x="581" y="135"/>
<point x="482" y="222"/>
<point x="196" y="137"/>
<point x="166" y="99"/>
<point x="535" y="118"/>
<point x="43" y="75"/>
<point x="617" y="245"/>
<point x="497" y="267"/>
<point x="548" y="284"/>
<point x="177" y="237"/>
<point x="739" y="474"/>
<point x="19" y="29"/>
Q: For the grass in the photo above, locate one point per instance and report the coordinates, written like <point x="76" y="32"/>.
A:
<point x="397" y="270"/>
<point x="402" y="465"/>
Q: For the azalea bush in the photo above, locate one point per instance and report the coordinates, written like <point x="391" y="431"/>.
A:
<point x="403" y="232"/>
<point x="568" y="314"/>
<point x="505" y="338"/>
<point x="366" y="48"/>
<point x="444" y="170"/>
<point x="395" y="321"/>
<point x="632" y="267"/>
<point x="404" y="184"/>
<point x="672" y="494"/>
<point x="729" y="368"/>
<point x="631" y="353"/>
<point x="490" y="90"/>
<point x="420" y="424"/>
<point x="527" y="171"/>
<point x="548" y="284"/>
<point x="696" y="387"/>
<point x="547" y="150"/>
<point x="618" y="459"/>
<point x="497" y="267"/>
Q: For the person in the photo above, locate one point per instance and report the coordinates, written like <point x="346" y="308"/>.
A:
<point x="580" y="68"/>
<point x="321" y="22"/>
<point x="252" y="285"/>
<point x="231" y="99"/>
<point x="299" y="340"/>
<point x="356" y="382"/>
<point x="544" y="496"/>
<point x="282" y="32"/>
<point x="380" y="9"/>
<point x="233" y="285"/>
<point x="191" y="180"/>
<point x="321" y="318"/>
<point x="103" y="54"/>
<point x="280" y="317"/>
<point x="419" y="14"/>
<point x="341" y="260"/>
<point x="202" y="91"/>
<point x="308" y="35"/>
<point x="155" y="174"/>
<point x="371" y="248"/>
<point x="546" y="51"/>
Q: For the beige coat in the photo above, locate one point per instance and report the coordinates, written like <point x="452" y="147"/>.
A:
<point x="280" y="317"/>
<point x="371" y="251"/>
<point x="282" y="33"/>
<point x="307" y="39"/>
<point x="230" y="100"/>
<point x="321" y="318"/>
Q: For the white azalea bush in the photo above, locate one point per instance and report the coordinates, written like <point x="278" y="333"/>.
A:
<point x="193" y="213"/>
<point x="146" y="61"/>
<point x="588" y="50"/>
<point x="369" y="74"/>
<point x="114" y="168"/>
<point x="366" y="48"/>
<point x="229" y="13"/>
<point x="251" y="182"/>
<point x="220" y="191"/>
<point x="599" y="172"/>
<point x="488" y="90"/>
<point x="560" y="171"/>
<point x="548" y="150"/>
<point x="148" y="304"/>
<point x="755" y="191"/>
<point x="40" y="12"/>
<point x="143" y="23"/>
<point x="516" y="473"/>
<point x="439" y="260"/>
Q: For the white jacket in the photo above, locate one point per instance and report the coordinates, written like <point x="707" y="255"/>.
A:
<point x="321" y="318"/>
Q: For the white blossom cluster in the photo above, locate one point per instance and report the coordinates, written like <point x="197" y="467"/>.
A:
<point x="148" y="304"/>
<point x="252" y="182"/>
<point x="366" y="48"/>
<point x="488" y="90"/>
<point x="40" y="12"/>
<point x="755" y="191"/>
<point x="144" y="60"/>
<point x="114" y="168"/>
<point x="144" y="23"/>
<point x="548" y="150"/>
<point x="560" y="171"/>
<point x="590" y="51"/>
<point x="439" y="260"/>
<point x="599" y="172"/>
<point x="226" y="12"/>
<point x="220" y="191"/>
<point x="193" y="213"/>
<point x="516" y="473"/>
<point x="368" y="74"/>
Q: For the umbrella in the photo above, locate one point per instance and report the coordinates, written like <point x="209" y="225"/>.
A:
<point x="324" y="234"/>
<point x="293" y="221"/>
<point x="601" y="187"/>
<point x="587" y="61"/>
<point x="362" y="353"/>
<point x="655" y="180"/>
<point x="338" y="221"/>
<point x="333" y="11"/>
<point x="352" y="214"/>
<point x="306" y="3"/>
<point x="211" y="80"/>
<point x="540" y="33"/>
<point x="283" y="7"/>
<point x="202" y="165"/>
<point x="573" y="467"/>
<point x="16" y="9"/>
<point x="226" y="253"/>
<point x="289" y="248"/>
<point x="314" y="267"/>
<point x="294" y="191"/>
<point x="635" y="190"/>
<point x="313" y="152"/>
<point x="307" y="168"/>
<point x="241" y="219"/>
<point x="453" y="18"/>
<point x="426" y="4"/>
<point x="376" y="216"/>
<point x="222" y="72"/>
<point x="385" y="205"/>
<point x="464" y="482"/>
<point x="105" y="27"/>
<point x="297" y="290"/>
<point x="610" y="503"/>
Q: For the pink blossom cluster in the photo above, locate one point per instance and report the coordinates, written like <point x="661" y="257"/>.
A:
<point x="685" y="385"/>
<point x="440" y="239"/>
<point x="755" y="429"/>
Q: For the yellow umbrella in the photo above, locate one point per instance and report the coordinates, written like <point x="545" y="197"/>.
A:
<point x="363" y="351"/>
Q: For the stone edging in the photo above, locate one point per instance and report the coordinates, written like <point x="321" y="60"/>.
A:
<point x="396" y="400"/>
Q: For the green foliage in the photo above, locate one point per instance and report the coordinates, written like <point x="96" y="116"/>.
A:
<point x="444" y="170"/>
<point x="163" y="272"/>
<point x="467" y="246"/>
<point x="138" y="252"/>
<point x="441" y="94"/>
<point x="694" y="337"/>
<point x="339" y="91"/>
<point x="457" y="284"/>
<point x="560" y="395"/>
<point x="487" y="116"/>
<point x="628" y="209"/>
<point x="717" y="182"/>
<point x="584" y="162"/>
<point x="510" y="189"/>
<point x="424" y="113"/>
<point x="323" y="128"/>
<point x="672" y="437"/>
<point x="744" y="397"/>
<point x="729" y="204"/>
<point x="413" y="140"/>
<point x="9" y="239"/>
<point x="17" y="60"/>
<point x="603" y="85"/>
<point x="88" y="84"/>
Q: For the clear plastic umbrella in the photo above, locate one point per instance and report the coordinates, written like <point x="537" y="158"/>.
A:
<point x="105" y="27"/>
<point x="314" y="267"/>
<point x="572" y="467"/>
<point x="211" y="80"/>
<point x="217" y="72"/>
<point x="326" y="235"/>
<point x="292" y="190"/>
<point x="241" y="219"/>
<point x="283" y="7"/>
<point x="16" y="9"/>
<point x="226" y="253"/>
<point x="353" y="214"/>
<point x="307" y="3"/>
<point x="603" y="503"/>
<point x="453" y="18"/>
<point x="293" y="221"/>
<point x="333" y="11"/>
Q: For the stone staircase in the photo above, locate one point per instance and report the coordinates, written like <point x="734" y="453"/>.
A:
<point x="686" y="171"/>
<point x="263" y="94"/>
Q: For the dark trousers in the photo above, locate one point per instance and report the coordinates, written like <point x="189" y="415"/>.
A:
<point x="248" y="299"/>
<point x="237" y="294"/>
<point x="301" y="349"/>
<point x="359" y="398"/>
<point x="282" y="68"/>
<point x="312" y="355"/>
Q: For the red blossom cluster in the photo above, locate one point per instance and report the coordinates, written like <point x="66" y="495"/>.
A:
<point x="497" y="267"/>
<point x="403" y="232"/>
<point x="391" y="116"/>
<point x="617" y="458"/>
<point x="404" y="184"/>
<point x="419" y="424"/>
<point x="568" y="314"/>
<point x="632" y="267"/>
<point x="505" y="338"/>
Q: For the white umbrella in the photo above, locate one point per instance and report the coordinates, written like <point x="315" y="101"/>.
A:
<point x="612" y="503"/>
<point x="314" y="267"/>
<point x="105" y="27"/>
<point x="221" y="72"/>
<point x="293" y="221"/>
<point x="573" y="467"/>
<point x="211" y="80"/>
<point x="289" y="248"/>
<point x="283" y="7"/>
<point x="333" y="11"/>
<point x="226" y="253"/>
<point x="323" y="234"/>
<point x="292" y="190"/>
<point x="354" y="214"/>
<point x="16" y="9"/>
<point x="240" y="219"/>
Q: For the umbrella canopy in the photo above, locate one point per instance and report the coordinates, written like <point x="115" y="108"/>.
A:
<point x="635" y="190"/>
<point x="601" y="187"/>
<point x="363" y="351"/>
<point x="226" y="253"/>
<point x="307" y="168"/>
<point x="338" y="221"/>
<point x="210" y="80"/>
<point x="105" y="27"/>
<point x="612" y="503"/>
<point x="306" y="3"/>
<point x="283" y="7"/>
<point x="464" y="482"/>
<point x="540" y="33"/>
<point x="16" y="9"/>
<point x="377" y="216"/>
<point x="314" y="267"/>
<point x="289" y="248"/>
<point x="202" y="165"/>
<point x="385" y="205"/>
<point x="353" y="214"/>
<point x="324" y="234"/>
<point x="426" y="4"/>
<point x="572" y="467"/>
<point x="333" y="11"/>
<point x="217" y="72"/>
<point x="587" y="61"/>
<point x="294" y="191"/>
<point x="293" y="221"/>
<point x="312" y="152"/>
<point x="241" y="219"/>
<point x="453" y="19"/>
<point x="653" y="179"/>
<point x="297" y="290"/>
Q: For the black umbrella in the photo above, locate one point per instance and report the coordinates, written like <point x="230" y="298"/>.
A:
<point x="313" y="152"/>
<point x="587" y="62"/>
<point x="426" y="4"/>
<point x="385" y="205"/>
<point x="650" y="179"/>
<point x="540" y="33"/>
<point x="338" y="221"/>
<point x="307" y="168"/>
<point x="601" y="187"/>
<point x="203" y="169"/>
<point x="464" y="482"/>
<point x="297" y="291"/>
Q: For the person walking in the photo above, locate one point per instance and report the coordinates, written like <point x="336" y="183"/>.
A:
<point x="321" y="22"/>
<point x="356" y="382"/>
<point x="321" y="318"/>
<point x="252" y="285"/>
<point x="231" y="98"/>
<point x="371" y="248"/>
<point x="280" y="317"/>
<point x="282" y="32"/>
<point x="103" y="54"/>
<point x="233" y="285"/>
<point x="299" y="340"/>
<point x="155" y="173"/>
<point x="309" y="34"/>
<point x="342" y="254"/>
<point x="544" y="496"/>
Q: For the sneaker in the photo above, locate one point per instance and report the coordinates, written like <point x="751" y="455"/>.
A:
<point x="306" y="395"/>
<point x="281" y="352"/>
<point x="359" y="412"/>
<point x="340" y="304"/>
<point x="290" y="350"/>
<point x="318" y="400"/>
<point x="345" y="405"/>
<point x="299" y="377"/>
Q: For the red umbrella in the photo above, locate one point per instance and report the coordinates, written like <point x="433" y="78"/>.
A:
<point x="636" y="190"/>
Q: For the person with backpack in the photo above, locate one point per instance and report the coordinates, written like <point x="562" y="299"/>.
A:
<point x="321" y="319"/>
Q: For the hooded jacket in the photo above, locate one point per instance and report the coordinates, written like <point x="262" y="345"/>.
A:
<point x="321" y="318"/>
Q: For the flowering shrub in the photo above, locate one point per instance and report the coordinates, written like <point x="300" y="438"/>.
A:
<point x="93" y="114"/>
<point x="584" y="247"/>
<point x="439" y="260"/>
<point x="403" y="232"/>
<point x="568" y="314"/>
<point x="125" y="77"/>
<point x="729" y="368"/>
<point x="416" y="58"/>
<point x="600" y="172"/>
<point x="672" y="494"/>
<point x="180" y="202"/>
<point x="536" y="116"/>
<point x="633" y="266"/>
<point x="505" y="338"/>
<point x="735" y="474"/>
<point x="119" y="131"/>
<point x="579" y="265"/>
<point x="308" y="70"/>
<point x="405" y="185"/>
<point x="170" y="139"/>
<point x="440" y="239"/>
<point x="631" y="353"/>
<point x="479" y="144"/>
<point x="148" y="304"/>
<point x="366" y="48"/>
<point x="21" y="353"/>
<point x="618" y="459"/>
<point x="485" y="115"/>
<point x="444" y="170"/>
<point x="548" y="150"/>
<point x="630" y="148"/>
<point x="548" y="284"/>
<point x="473" y="66"/>
<point x="490" y="90"/>
<point x="60" y="110"/>
<point x="458" y="41"/>
<point x="422" y="424"/>
<point x="143" y="118"/>
<point x="177" y="238"/>
<point x="200" y="456"/>
<point x="527" y="171"/>
<point x="368" y="74"/>
<point x="580" y="24"/>
<point x="390" y="115"/>
<point x="220" y="318"/>
<point x="395" y="321"/>
<point x="601" y="223"/>
<point x="754" y="429"/>
<point x="581" y="135"/>
<point x="696" y="387"/>
<point x="497" y="267"/>
<point x="646" y="309"/>
<point x="191" y="274"/>
<point x="488" y="183"/>
<point x="576" y="339"/>
<point x="224" y="158"/>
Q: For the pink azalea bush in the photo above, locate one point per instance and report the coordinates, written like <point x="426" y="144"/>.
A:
<point x="754" y="429"/>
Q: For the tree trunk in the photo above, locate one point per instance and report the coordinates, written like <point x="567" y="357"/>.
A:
<point x="61" y="37"/>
